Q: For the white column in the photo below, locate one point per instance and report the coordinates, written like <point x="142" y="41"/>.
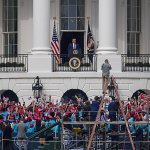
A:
<point x="41" y="26"/>
<point x="107" y="27"/>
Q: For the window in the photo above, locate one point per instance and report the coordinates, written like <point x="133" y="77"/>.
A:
<point x="72" y="23"/>
<point x="133" y="26"/>
<point x="72" y="16"/>
<point x="10" y="35"/>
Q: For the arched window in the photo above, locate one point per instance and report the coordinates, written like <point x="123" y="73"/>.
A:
<point x="133" y="26"/>
<point x="10" y="20"/>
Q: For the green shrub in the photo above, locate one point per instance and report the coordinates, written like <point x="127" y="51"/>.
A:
<point x="13" y="64"/>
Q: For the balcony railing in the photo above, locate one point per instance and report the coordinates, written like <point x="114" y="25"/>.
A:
<point x="86" y="64"/>
<point x="17" y="63"/>
<point x="135" y="63"/>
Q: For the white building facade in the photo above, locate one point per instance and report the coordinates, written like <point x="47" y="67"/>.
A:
<point x="118" y="27"/>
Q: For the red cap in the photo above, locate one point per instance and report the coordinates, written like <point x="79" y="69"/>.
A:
<point x="133" y="112"/>
<point x="31" y="125"/>
<point x="29" y="118"/>
<point x="135" y="116"/>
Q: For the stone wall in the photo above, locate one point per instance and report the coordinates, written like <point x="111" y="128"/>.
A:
<point x="56" y="84"/>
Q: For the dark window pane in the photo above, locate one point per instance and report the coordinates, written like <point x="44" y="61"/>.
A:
<point x="5" y="2"/>
<point x="128" y="2"/>
<point x="15" y="25"/>
<point x="13" y="38"/>
<point x="11" y="13"/>
<point x="10" y="2"/>
<point x="133" y="38"/>
<point x="5" y="50"/>
<point x="15" y="3"/>
<point x="134" y="2"/>
<point x="10" y="26"/>
<point x="133" y="25"/>
<point x="138" y="13"/>
<point x="129" y="12"/>
<point x="4" y="12"/>
<point x="138" y="2"/>
<point x="15" y="13"/>
<point x="80" y="2"/>
<point x="128" y="38"/>
<point x="64" y="2"/>
<point x="137" y="49"/>
<point x="11" y="49"/>
<point x="72" y="2"/>
<point x="129" y="25"/>
<point x="5" y="25"/>
<point x="64" y="24"/>
<point x="134" y="15"/>
<point x="138" y="25"/>
<point x="132" y="49"/>
<point x="5" y="39"/>
<point x="72" y="11"/>
<point x="129" y="49"/>
<point x="137" y="38"/>
<point x="64" y="11"/>
<point x="80" y="11"/>
<point x="80" y="24"/>
<point x="72" y="24"/>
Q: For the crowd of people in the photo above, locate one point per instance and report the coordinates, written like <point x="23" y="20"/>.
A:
<point x="42" y="113"/>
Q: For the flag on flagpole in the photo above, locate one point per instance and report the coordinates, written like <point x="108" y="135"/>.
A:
<point x="90" y="43"/>
<point x="55" y="45"/>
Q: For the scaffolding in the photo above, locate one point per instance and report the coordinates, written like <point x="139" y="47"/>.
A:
<point x="103" y="138"/>
<point x="99" y="137"/>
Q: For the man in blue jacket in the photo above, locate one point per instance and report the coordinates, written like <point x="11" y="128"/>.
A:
<point x="73" y="46"/>
<point x="94" y="108"/>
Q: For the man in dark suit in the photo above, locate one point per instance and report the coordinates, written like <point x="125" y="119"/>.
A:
<point x="21" y="135"/>
<point x="73" y="46"/>
<point x="7" y="136"/>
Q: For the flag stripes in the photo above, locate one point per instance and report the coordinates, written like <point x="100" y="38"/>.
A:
<point x="55" y="45"/>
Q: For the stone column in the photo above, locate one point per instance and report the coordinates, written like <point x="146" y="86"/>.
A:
<point x="40" y="59"/>
<point x="41" y="26"/>
<point x="107" y="27"/>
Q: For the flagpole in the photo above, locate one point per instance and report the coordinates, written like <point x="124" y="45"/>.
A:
<point x="54" y="18"/>
<point x="88" y="18"/>
<point x="55" y="44"/>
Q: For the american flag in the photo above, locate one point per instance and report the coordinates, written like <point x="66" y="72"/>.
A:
<point x="90" y="39"/>
<point x="90" y="43"/>
<point x="55" y="45"/>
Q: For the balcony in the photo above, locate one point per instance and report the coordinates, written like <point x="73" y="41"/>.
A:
<point x="135" y="63"/>
<point x="17" y="63"/>
<point x="86" y="64"/>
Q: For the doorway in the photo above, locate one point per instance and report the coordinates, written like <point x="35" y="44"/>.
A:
<point x="66" y="38"/>
<point x="72" y="94"/>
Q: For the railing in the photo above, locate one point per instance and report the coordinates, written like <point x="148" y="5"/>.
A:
<point x="52" y="139"/>
<point x="104" y="138"/>
<point x="77" y="138"/>
<point x="136" y="63"/>
<point x="17" y="63"/>
<point x="33" y="139"/>
<point x="86" y="64"/>
<point x="44" y="130"/>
